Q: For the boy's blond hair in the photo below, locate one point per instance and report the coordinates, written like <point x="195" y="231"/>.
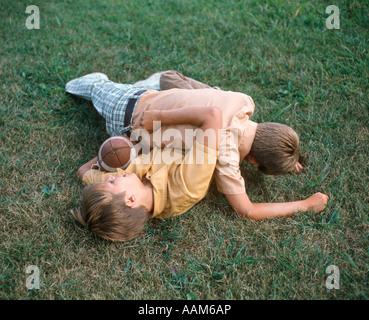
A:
<point x="106" y="215"/>
<point x="275" y="148"/>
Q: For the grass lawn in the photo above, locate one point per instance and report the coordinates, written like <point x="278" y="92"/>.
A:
<point x="279" y="52"/>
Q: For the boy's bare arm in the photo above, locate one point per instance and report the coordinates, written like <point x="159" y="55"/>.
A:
<point x="203" y="117"/>
<point x="87" y="166"/>
<point x="260" y="211"/>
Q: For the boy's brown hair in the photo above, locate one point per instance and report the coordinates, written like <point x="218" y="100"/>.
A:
<point x="275" y="148"/>
<point x="106" y="215"/>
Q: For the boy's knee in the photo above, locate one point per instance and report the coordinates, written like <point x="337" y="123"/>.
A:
<point x="171" y="79"/>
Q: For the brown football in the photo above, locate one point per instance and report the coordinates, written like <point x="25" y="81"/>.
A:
<point x="115" y="152"/>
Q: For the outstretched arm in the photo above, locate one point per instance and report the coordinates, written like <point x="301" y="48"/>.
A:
<point x="260" y="211"/>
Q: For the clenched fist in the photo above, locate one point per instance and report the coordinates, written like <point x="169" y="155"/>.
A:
<point x="317" y="202"/>
<point x="148" y="118"/>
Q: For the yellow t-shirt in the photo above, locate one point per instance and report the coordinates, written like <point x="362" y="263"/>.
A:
<point x="179" y="180"/>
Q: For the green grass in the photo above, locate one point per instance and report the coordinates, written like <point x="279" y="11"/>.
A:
<point x="280" y="53"/>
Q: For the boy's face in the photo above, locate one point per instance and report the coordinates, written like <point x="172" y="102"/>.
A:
<point x="120" y="183"/>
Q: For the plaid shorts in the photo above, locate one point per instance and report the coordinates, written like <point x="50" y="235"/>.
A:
<point x="110" y="99"/>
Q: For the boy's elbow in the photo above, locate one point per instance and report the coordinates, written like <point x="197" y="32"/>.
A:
<point x="243" y="212"/>
<point x="213" y="119"/>
<point x="241" y="204"/>
<point x="80" y="173"/>
<point x="215" y="114"/>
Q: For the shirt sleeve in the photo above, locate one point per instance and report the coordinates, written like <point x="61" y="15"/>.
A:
<point x="227" y="176"/>
<point x="229" y="180"/>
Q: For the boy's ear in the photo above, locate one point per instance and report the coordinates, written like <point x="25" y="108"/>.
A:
<point x="130" y="200"/>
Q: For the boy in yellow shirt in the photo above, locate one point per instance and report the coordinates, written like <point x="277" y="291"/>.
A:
<point x="161" y="184"/>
